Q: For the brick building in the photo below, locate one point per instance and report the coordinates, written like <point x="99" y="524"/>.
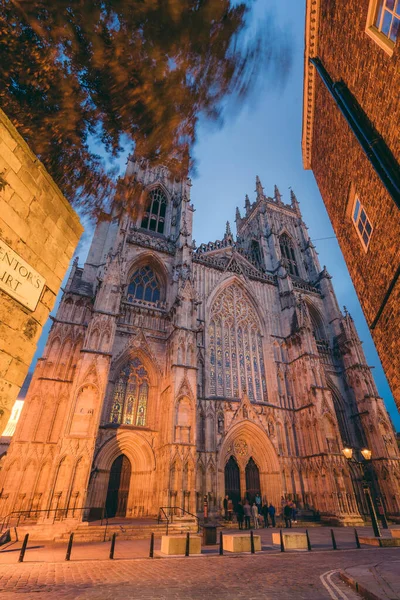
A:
<point x="351" y="141"/>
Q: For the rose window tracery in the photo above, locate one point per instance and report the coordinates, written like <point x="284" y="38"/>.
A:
<point x="236" y="349"/>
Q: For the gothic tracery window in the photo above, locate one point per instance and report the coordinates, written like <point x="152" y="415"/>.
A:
<point x="129" y="405"/>
<point x="235" y="347"/>
<point x="144" y="285"/>
<point x="154" y="216"/>
<point x="288" y="255"/>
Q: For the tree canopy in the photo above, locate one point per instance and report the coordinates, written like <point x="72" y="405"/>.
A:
<point x="79" y="76"/>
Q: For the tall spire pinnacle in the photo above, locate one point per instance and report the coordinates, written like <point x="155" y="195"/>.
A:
<point x="294" y="202"/>
<point x="238" y="216"/>
<point x="259" y="188"/>
<point x="228" y="229"/>
<point x="247" y="204"/>
<point x="277" y="195"/>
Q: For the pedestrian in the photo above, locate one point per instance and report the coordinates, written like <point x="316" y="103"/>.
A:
<point x="225" y="504"/>
<point x="230" y="509"/>
<point x="240" y="514"/>
<point x="294" y="512"/>
<point x="257" y="500"/>
<point x="271" y="512"/>
<point x="254" y="512"/>
<point x="287" y="515"/>
<point x="264" y="512"/>
<point x="247" y="515"/>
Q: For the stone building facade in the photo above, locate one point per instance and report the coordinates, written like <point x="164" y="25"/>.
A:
<point x="351" y="142"/>
<point x="172" y="372"/>
<point x="39" y="232"/>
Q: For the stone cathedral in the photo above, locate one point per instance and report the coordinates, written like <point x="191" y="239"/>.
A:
<point x="172" y="372"/>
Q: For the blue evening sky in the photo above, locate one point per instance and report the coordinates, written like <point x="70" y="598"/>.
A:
<point x="265" y="139"/>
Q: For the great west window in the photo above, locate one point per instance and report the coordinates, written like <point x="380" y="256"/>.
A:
<point x="129" y="405"/>
<point x="235" y="347"/>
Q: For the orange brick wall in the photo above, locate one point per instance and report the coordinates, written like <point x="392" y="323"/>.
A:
<point x="339" y="164"/>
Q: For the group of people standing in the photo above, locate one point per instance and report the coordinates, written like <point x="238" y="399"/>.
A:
<point x="258" y="514"/>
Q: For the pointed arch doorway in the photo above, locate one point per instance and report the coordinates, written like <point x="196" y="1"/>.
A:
<point x="252" y="480"/>
<point x="232" y="481"/>
<point x="118" y="487"/>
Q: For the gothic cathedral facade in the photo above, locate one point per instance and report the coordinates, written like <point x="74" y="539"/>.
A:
<point x="174" y="372"/>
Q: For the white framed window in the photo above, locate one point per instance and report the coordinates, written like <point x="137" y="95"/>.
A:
<point x="361" y="223"/>
<point x="383" y="23"/>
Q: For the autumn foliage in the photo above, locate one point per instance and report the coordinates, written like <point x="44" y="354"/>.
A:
<point x="80" y="78"/>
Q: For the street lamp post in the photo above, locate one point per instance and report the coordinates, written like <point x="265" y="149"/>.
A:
<point x="365" y="465"/>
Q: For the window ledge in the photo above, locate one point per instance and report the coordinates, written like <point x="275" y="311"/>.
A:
<point x="380" y="39"/>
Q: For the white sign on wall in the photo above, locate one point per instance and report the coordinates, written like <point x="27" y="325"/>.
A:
<point x="18" y="279"/>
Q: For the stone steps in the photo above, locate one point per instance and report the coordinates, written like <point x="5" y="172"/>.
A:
<point x="98" y="533"/>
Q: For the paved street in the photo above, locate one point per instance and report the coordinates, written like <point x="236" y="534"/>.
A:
<point x="275" y="577"/>
<point x="269" y="575"/>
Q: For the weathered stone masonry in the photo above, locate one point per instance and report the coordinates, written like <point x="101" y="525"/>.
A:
<point x="37" y="223"/>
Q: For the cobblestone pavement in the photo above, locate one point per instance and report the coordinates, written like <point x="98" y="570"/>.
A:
<point x="267" y="576"/>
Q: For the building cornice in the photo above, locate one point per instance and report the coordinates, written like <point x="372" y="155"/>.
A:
<point x="310" y="51"/>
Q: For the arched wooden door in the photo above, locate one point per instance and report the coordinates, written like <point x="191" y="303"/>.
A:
<point x="252" y="481"/>
<point x="118" y="487"/>
<point x="232" y="481"/>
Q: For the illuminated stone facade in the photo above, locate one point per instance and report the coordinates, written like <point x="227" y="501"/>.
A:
<point x="39" y="232"/>
<point x="172" y="372"/>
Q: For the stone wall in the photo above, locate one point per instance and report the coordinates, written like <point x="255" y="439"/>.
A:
<point x="341" y="168"/>
<point x="39" y="225"/>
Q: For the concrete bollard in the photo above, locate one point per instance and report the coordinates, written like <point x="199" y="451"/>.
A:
<point x="308" y="541"/>
<point x="334" y="545"/>
<point x="187" y="549"/>
<point x="221" y="544"/>
<point x="151" y="553"/>
<point x="23" y="549"/>
<point x="112" y="546"/>
<point x="71" y="539"/>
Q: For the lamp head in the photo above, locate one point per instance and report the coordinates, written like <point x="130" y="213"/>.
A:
<point x="366" y="452"/>
<point x="348" y="452"/>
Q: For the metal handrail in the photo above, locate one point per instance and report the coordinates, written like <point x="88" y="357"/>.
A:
<point x="166" y="518"/>
<point x="186" y="512"/>
<point x="63" y="513"/>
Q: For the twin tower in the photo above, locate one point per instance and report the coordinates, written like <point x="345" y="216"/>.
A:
<point x="173" y="371"/>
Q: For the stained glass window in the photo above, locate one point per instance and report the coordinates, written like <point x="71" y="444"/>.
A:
<point x="288" y="254"/>
<point x="154" y="216"/>
<point x="213" y="386"/>
<point x="131" y="391"/>
<point x="235" y="346"/>
<point x="144" y="285"/>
